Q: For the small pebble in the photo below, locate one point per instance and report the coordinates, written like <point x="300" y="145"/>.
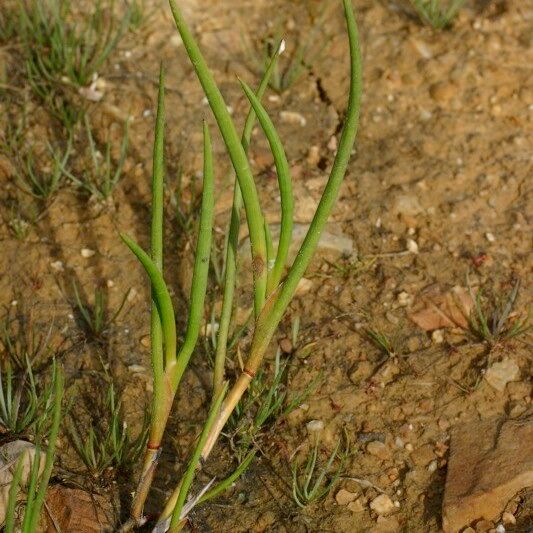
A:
<point x="437" y="336"/>
<point x="501" y="373"/>
<point x="412" y="246"/>
<point x="332" y="144"/>
<point x="292" y="117"/>
<point x="379" y="449"/>
<point x="500" y="528"/>
<point x="136" y="369"/>
<point x="314" y="426"/>
<point x="490" y="236"/>
<point x="58" y="266"/>
<point x="344" y="497"/>
<point x="382" y="505"/>
<point x="87" y="252"/>
<point x="432" y="467"/>
<point x="508" y="518"/>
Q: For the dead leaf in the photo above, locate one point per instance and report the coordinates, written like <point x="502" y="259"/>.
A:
<point x="72" y="510"/>
<point x="448" y="310"/>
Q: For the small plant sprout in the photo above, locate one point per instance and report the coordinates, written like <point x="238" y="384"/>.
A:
<point x="62" y="55"/>
<point x="381" y="341"/>
<point x="437" y="13"/>
<point x="494" y="319"/>
<point x="42" y="183"/>
<point x="297" y="61"/>
<point x="107" y="444"/>
<point x="315" y="483"/>
<point x="39" y="474"/>
<point x="273" y="285"/>
<point x="96" y="318"/>
<point x="101" y="179"/>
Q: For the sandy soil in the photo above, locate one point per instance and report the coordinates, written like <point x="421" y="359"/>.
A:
<point x="438" y="188"/>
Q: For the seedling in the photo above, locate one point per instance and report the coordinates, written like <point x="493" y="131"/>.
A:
<point x="20" y="341"/>
<point x="437" y="13"/>
<point x="263" y="406"/>
<point x="271" y="297"/>
<point x="314" y="483"/>
<point x="100" y="180"/>
<point x="494" y="320"/>
<point x="107" y="444"/>
<point x="22" y="402"/>
<point x="62" y="55"/>
<point x="40" y="183"/>
<point x="97" y="318"/>
<point x="382" y="341"/>
<point x="299" y="60"/>
<point x="38" y="481"/>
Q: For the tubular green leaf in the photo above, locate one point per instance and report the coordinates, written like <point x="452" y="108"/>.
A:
<point x="272" y="314"/>
<point x="201" y="261"/>
<point x="161" y="297"/>
<point x="195" y="459"/>
<point x="156" y="241"/>
<point x="233" y="242"/>
<point x="237" y="155"/>
<point x="285" y="187"/>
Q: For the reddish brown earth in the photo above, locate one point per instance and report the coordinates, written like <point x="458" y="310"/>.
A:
<point x="442" y="161"/>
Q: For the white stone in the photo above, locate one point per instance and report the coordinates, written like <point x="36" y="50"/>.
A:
<point x="314" y="426"/>
<point x="87" y="252"/>
<point x="499" y="374"/>
<point x="382" y="505"/>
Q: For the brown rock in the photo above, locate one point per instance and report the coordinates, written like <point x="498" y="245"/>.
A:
<point x="77" y="511"/>
<point x="344" y="497"/>
<point x="379" y="449"/>
<point x="490" y="461"/>
<point x="423" y="455"/>
<point x="443" y="92"/>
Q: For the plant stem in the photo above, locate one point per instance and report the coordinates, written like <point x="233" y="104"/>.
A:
<point x="237" y="154"/>
<point x="279" y="300"/>
<point x="233" y="243"/>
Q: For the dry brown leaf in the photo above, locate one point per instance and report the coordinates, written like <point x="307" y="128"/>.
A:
<point x="72" y="510"/>
<point x="448" y="310"/>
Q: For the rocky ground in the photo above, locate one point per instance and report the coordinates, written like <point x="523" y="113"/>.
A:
<point x="435" y="207"/>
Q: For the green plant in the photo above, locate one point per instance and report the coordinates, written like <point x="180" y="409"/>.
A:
<point x="271" y="297"/>
<point x="382" y="341"/>
<point x="64" y="49"/>
<point x="107" y="443"/>
<point x="299" y="59"/>
<point x="20" y="341"/>
<point x="22" y="402"/>
<point x="96" y="318"/>
<point x="263" y="406"/>
<point x="313" y="484"/>
<point x="437" y="13"/>
<point x="101" y="179"/>
<point x="39" y="474"/>
<point x="38" y="182"/>
<point x="493" y="319"/>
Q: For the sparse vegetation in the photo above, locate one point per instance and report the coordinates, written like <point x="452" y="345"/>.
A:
<point x="169" y="360"/>
<point x="100" y="180"/>
<point x="315" y="482"/>
<point x="494" y="319"/>
<point x="106" y="445"/>
<point x="97" y="318"/>
<point x="437" y="13"/>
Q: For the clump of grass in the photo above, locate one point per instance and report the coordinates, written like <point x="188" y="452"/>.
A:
<point x="20" y="341"/>
<point x="39" y="182"/>
<point x="271" y="296"/>
<point x="39" y="474"/>
<point x="64" y="50"/>
<point x="265" y="404"/>
<point x="315" y="482"/>
<point x="103" y="175"/>
<point x="493" y="319"/>
<point x="97" y="318"/>
<point x="21" y="214"/>
<point x="23" y="402"/>
<point x="437" y="13"/>
<point x="107" y="444"/>
<point x="382" y="341"/>
<point x="299" y="59"/>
